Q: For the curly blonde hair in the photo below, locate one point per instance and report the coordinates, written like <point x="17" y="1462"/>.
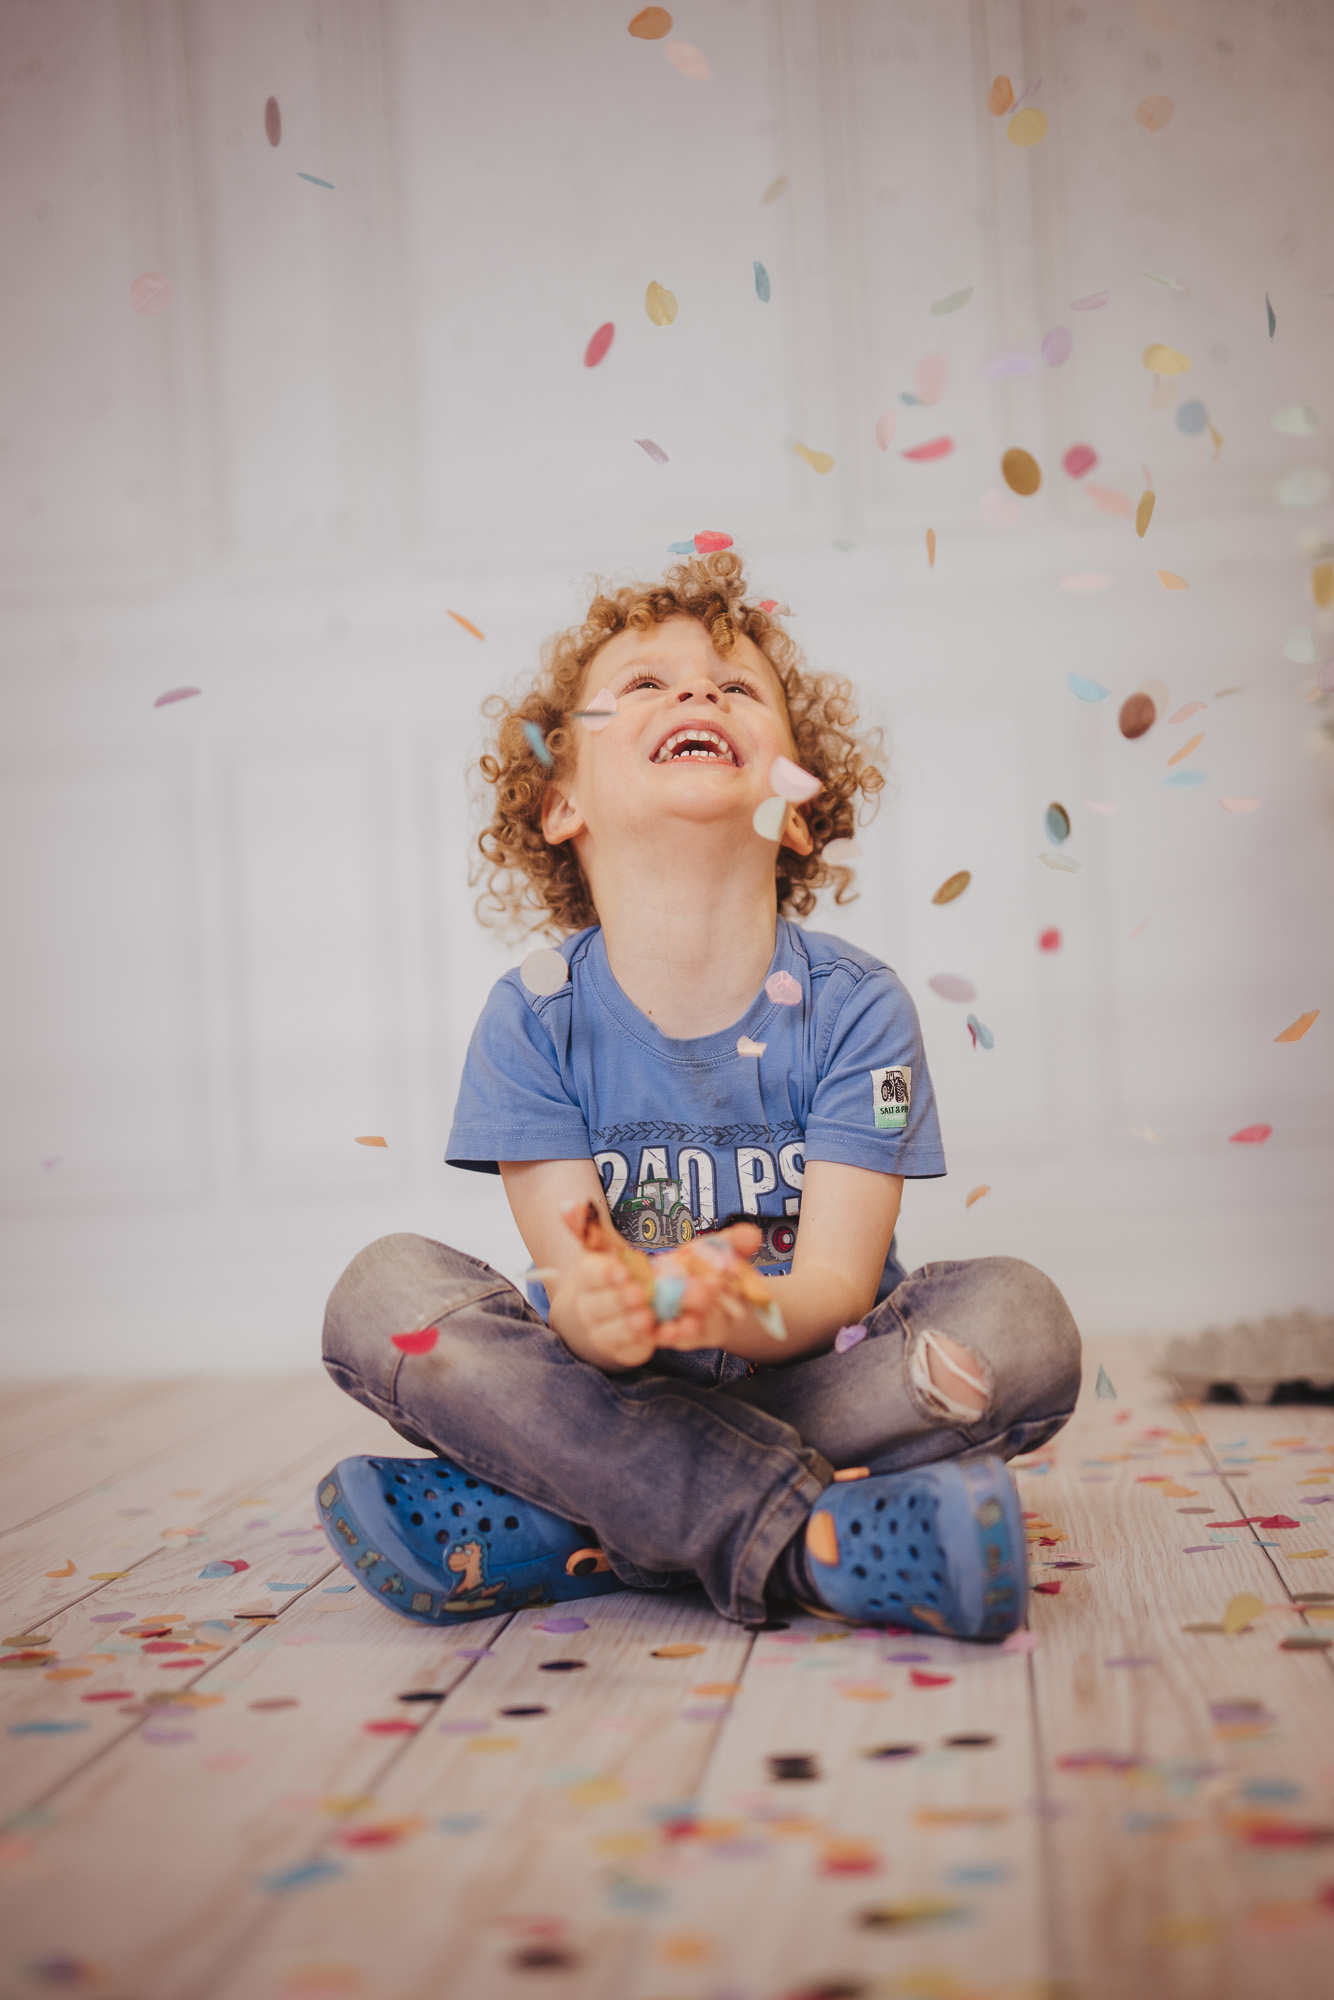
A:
<point x="530" y="885"/>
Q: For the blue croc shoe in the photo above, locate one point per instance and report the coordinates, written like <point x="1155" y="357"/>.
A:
<point x="940" y="1549"/>
<point x="437" y="1545"/>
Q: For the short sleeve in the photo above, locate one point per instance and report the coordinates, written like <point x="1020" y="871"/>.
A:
<point x="515" y="1101"/>
<point x="873" y="1104"/>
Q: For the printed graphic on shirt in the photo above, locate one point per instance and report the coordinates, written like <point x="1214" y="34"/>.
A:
<point x="671" y="1194"/>
<point x="891" y="1095"/>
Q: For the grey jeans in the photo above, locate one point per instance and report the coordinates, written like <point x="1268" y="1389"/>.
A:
<point x="681" y="1482"/>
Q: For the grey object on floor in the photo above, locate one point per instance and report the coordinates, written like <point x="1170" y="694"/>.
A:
<point x="1254" y="1357"/>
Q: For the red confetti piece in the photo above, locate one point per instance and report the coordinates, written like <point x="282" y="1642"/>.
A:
<point x="467" y="624"/>
<point x="1047" y="1589"/>
<point x="109" y="1694"/>
<point x="1080" y="458"/>
<point x="166" y="1646"/>
<point x="921" y="454"/>
<point x="392" y="1728"/>
<point x="416" y="1343"/>
<point x="1049" y="940"/>
<point x="174" y="694"/>
<point x="598" y="345"/>
<point x="708" y="541"/>
<point x="273" y="122"/>
<point x="920" y="1679"/>
<point x="768" y="604"/>
<point x="1250" y="1135"/>
<point x="150" y="293"/>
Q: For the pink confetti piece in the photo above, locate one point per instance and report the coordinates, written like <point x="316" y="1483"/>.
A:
<point x="783" y="989"/>
<point x="1250" y="1135"/>
<point x="655" y="451"/>
<point x="952" y="986"/>
<point x="175" y="694"/>
<point x="930" y="377"/>
<point x="790" y="781"/>
<point x="1138" y="931"/>
<point x="570" y="1624"/>
<point x="1191" y="708"/>
<point x="922" y="454"/>
<point x="769" y="818"/>
<point x="709" y="541"/>
<point x="598" y="345"/>
<point x="1101" y="806"/>
<point x="1049" y="940"/>
<point x="1010" y="366"/>
<point x="1026" y="95"/>
<point x="1239" y="805"/>
<point x="848" y="1336"/>
<point x="1020" y="1642"/>
<point x="600" y="710"/>
<point x="885" y="425"/>
<point x="1090" y="303"/>
<point x="1057" y="345"/>
<point x="1000" y="509"/>
<point x="1080" y="458"/>
<point x="688" y="61"/>
<point x="416" y="1343"/>
<point x="1087" y="580"/>
<point x="1110" y="500"/>
<point x="150" y="293"/>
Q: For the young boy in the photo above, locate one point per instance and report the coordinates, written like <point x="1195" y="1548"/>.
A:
<point x="694" y="1075"/>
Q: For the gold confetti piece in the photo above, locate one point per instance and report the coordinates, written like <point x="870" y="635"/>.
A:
<point x="1293" y="1555"/>
<point x="467" y="624"/>
<point x="976" y="1194"/>
<point x="819" y="461"/>
<point x="1000" y="96"/>
<point x="1242" y="1610"/>
<point x="1154" y="112"/>
<point x="660" y="304"/>
<point x="1160" y="360"/>
<point x="372" y="1142"/>
<point x="1027" y="127"/>
<point x="1299" y="1027"/>
<point x="953" y="886"/>
<point x="1180" y="756"/>
<point x="651" y="24"/>
<point x="1170" y="581"/>
<point x="1144" y="513"/>
<point x="930" y="548"/>
<point x="1021" y="472"/>
<point x="679" y="1649"/>
<point x="1322" y="584"/>
<point x="106" y="1575"/>
<point x="67" y="1571"/>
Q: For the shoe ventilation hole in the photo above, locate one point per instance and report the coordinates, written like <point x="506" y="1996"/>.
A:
<point x="443" y="1535"/>
<point x="881" y="1505"/>
<point x="859" y="1569"/>
<point x="392" y="1498"/>
<point x="484" y="1525"/>
<point x="511" y="1520"/>
<point x="376" y="1465"/>
<point x="877" y="1552"/>
<point x="429" y="1493"/>
<point x="416" y="1519"/>
<point x="399" y="1480"/>
<point x="457" y="1508"/>
<point x="499" y="1492"/>
<point x="914" y="1552"/>
<point x="471" y="1484"/>
<point x="856" y="1527"/>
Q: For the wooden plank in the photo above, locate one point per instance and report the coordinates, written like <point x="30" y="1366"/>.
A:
<point x="35" y="1413"/>
<point x="1159" y="1779"/>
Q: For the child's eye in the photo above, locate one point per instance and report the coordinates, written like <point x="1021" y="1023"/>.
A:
<point x="737" y="687"/>
<point x="642" y="681"/>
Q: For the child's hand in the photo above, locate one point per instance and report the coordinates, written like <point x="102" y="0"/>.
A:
<point x="601" y="1314"/>
<point x="710" y="1310"/>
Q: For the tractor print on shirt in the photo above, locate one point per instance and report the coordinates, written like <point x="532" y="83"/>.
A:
<point x="656" y="1216"/>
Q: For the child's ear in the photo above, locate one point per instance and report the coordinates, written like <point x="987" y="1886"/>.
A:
<point x="561" y="818"/>
<point x="796" y="834"/>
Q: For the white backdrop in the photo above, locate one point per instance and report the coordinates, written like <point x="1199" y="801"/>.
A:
<point x="237" y="929"/>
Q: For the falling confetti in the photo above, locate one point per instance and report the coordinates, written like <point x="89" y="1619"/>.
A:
<point x="1171" y="581"/>
<point x="884" y="428"/>
<point x="1182" y="778"/>
<point x="598" y="345"/>
<point x="655" y="451"/>
<point x="1026" y="128"/>
<point x="1161" y="360"/>
<point x="1080" y="458"/>
<point x="952" y="303"/>
<point x="791" y="782"/>
<point x="1092" y="302"/>
<point x="1103" y="1386"/>
<point x="1192" y="418"/>
<point x="467" y="624"/>
<point x="150" y="293"/>
<point x="1191" y="708"/>
<point x="952" y="986"/>
<point x="1058" y="823"/>
<point x="1137" y="717"/>
<point x="544" y="972"/>
<point x="651" y="24"/>
<point x="537" y="743"/>
<point x="1269" y="315"/>
<point x="1297" y="420"/>
<point x="1144" y="513"/>
<point x="1154" y="112"/>
<point x="660" y="304"/>
<point x="930" y="377"/>
<point x="746" y="1047"/>
<point x="1250" y="1135"/>
<point x="1322" y="584"/>
<point x="273" y="122"/>
<point x="1021" y="472"/>
<point x="314" y="179"/>
<point x="1171" y="284"/>
<point x="953" y="887"/>
<point x="373" y="1141"/>
<point x="1304" y="486"/>
<point x="710" y="540"/>
<point x="761" y="283"/>
<point x="848" y="1336"/>
<point x="1057" y="346"/>
<point x="783" y="989"/>
<point x="981" y="1034"/>
<point x="774" y="189"/>
<point x="1000" y="97"/>
<point x="1179" y="756"/>
<point x="930" y="548"/>
<point x="923" y="454"/>
<point x="1299" y="1027"/>
<point x="601" y="708"/>
<point x="689" y="60"/>
<point x="420" y="1342"/>
<point x="769" y="818"/>
<point x="1061" y="864"/>
<point x="175" y="694"/>
<point x="819" y="461"/>
<point x="1049" y="940"/>
<point x="1085" y="689"/>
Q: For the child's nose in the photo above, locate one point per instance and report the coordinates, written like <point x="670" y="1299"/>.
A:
<point x="705" y="689"/>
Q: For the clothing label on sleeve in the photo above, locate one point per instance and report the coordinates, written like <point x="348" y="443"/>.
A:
<point x="891" y="1092"/>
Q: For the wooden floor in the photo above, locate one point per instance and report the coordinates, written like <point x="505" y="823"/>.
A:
<point x="324" y="1801"/>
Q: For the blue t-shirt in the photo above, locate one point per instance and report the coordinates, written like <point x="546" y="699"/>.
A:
<point x="689" y="1135"/>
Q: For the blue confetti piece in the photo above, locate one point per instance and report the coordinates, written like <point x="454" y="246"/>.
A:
<point x="337" y="1589"/>
<point x="537" y="742"/>
<point x="1269" y="313"/>
<point x="681" y="548"/>
<point x="44" y="1728"/>
<point x="907" y="396"/>
<point x="1103" y="1386"/>
<point x="460" y="1823"/>
<point x="301" y="1877"/>
<point x="215" y="1569"/>
<point x="1187" y="778"/>
<point x="286" y="1586"/>
<point x="314" y="179"/>
<point x="1192" y="418"/>
<point x="1086" y="690"/>
<point x="982" y="1035"/>
<point x="761" y="283"/>
<point x="669" y="1296"/>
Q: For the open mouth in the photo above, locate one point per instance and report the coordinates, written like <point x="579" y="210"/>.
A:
<point x="698" y="745"/>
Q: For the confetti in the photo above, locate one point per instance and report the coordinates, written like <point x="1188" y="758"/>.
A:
<point x="1144" y="514"/>
<point x="1080" y="458"/>
<point x="953" y="887"/>
<point x="1154" y="279"/>
<point x="953" y="302"/>
<point x="1049" y="940"/>
<point x="1085" y="689"/>
<point x="1020" y="1642"/>
<point x="314" y="180"/>
<point x="660" y="304"/>
<point x="1250" y="1135"/>
<point x="1137" y="716"/>
<point x="762" y="291"/>
<point x="601" y="708"/>
<point x="150" y="293"/>
<point x="1026" y="128"/>
<point x="175" y="694"/>
<point x="930" y="548"/>
<point x="689" y="60"/>
<point x="1062" y="864"/>
<point x="1058" y="823"/>
<point x="791" y="782"/>
<point x="1092" y="302"/>
<point x="710" y="540"/>
<point x="746" y="1047"/>
<point x="544" y="971"/>
<point x="303" y="1876"/>
<point x="273" y="122"/>
<point x="1057" y="345"/>
<point x="981" y="1034"/>
<point x="1161" y="360"/>
<point x="467" y="624"/>
<point x="1298" y="1028"/>
<point x="1269" y="315"/>
<point x="1297" y="420"/>
<point x="1179" y="756"/>
<point x="598" y="345"/>
<point x="783" y="989"/>
<point x="884" y="428"/>
<point x="420" y="1342"/>
<point x="819" y="461"/>
<point x="952" y="986"/>
<point x="1000" y="97"/>
<point x="921" y="1679"/>
<point x="1182" y="778"/>
<point x="848" y="1336"/>
<point x="1103" y="1386"/>
<point x="372" y="1139"/>
<point x="976" y="1194"/>
<point x="1109" y="500"/>
<point x="679" y="1649"/>
<point x="681" y="548"/>
<point x="222" y="1567"/>
<point x="1171" y="581"/>
<point x="930" y="377"/>
<point x="1322" y="584"/>
<point x="651" y="24"/>
<point x="1000" y="509"/>
<point x="1184" y="714"/>
<point x="1241" y="1611"/>
<point x="774" y="189"/>
<point x="1304" y="486"/>
<point x="655" y="451"/>
<point x="1154" y="112"/>
<point x="923" y="454"/>
<point x="1192" y="418"/>
<point x="769" y="818"/>
<point x="67" y="1571"/>
<point x="537" y="743"/>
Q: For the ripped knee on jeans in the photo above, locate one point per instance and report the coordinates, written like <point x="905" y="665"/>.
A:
<point x="951" y="1381"/>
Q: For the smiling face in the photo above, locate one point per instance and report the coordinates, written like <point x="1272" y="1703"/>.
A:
<point x="693" y="738"/>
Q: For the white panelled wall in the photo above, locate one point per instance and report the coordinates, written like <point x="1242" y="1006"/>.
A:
<point x="238" y="930"/>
